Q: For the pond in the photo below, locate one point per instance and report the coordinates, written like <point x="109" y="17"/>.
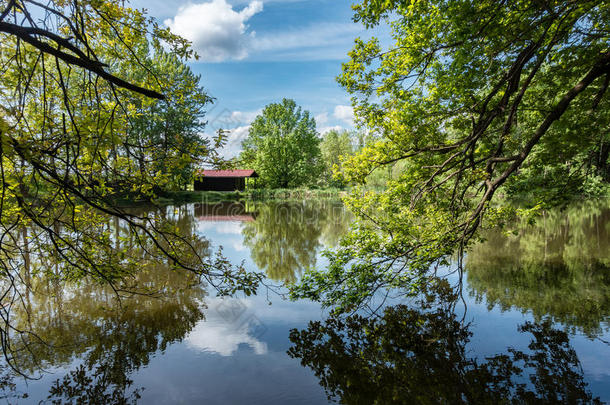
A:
<point x="530" y="323"/>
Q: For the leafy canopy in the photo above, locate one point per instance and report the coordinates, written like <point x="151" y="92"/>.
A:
<point x="467" y="95"/>
<point x="168" y="134"/>
<point x="336" y="146"/>
<point x="283" y="146"/>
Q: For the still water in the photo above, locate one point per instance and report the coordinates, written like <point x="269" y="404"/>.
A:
<point x="530" y="323"/>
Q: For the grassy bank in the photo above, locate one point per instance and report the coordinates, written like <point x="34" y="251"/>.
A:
<point x="295" y="194"/>
<point x="211" y="197"/>
<point x="182" y="197"/>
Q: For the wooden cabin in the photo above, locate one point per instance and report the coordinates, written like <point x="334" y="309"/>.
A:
<point x="222" y="180"/>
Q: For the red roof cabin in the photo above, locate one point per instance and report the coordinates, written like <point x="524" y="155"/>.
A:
<point x="222" y="180"/>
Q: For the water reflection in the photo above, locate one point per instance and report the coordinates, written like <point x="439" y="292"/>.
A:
<point x="559" y="267"/>
<point x="230" y="322"/>
<point x="421" y="354"/>
<point x="100" y="338"/>
<point x="169" y="341"/>
<point x="286" y="236"/>
<point x="53" y="317"/>
<point x="226" y="211"/>
<point x="111" y="338"/>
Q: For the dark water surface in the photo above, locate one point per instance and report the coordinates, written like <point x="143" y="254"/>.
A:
<point x="530" y="324"/>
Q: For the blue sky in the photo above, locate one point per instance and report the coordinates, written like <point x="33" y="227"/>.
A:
<point x="256" y="52"/>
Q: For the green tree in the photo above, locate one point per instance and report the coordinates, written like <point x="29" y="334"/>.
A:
<point x="467" y="96"/>
<point x="336" y="146"/>
<point x="168" y="133"/>
<point x="283" y="146"/>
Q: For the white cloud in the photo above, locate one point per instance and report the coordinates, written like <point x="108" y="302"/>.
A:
<point x="245" y="117"/>
<point x="217" y="31"/>
<point x="342" y="117"/>
<point x="315" y="35"/>
<point x="320" y="41"/>
<point x="227" y="325"/>
<point x="227" y="119"/>
<point x="344" y="113"/>
<point x="239" y="2"/>
<point x="234" y="140"/>
<point x="324" y="130"/>
<point x="321" y="119"/>
<point x="237" y="135"/>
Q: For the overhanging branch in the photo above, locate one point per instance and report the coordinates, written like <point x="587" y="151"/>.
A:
<point x="80" y="59"/>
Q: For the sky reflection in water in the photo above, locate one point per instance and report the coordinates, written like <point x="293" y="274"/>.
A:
<point x="519" y="291"/>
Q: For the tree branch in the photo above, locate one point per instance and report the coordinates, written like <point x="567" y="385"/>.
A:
<point x="26" y="35"/>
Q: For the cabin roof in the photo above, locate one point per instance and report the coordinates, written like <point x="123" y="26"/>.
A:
<point x="227" y="173"/>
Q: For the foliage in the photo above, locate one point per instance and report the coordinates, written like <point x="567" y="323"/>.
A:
<point x="283" y="146"/>
<point x="167" y="134"/>
<point x="468" y="95"/>
<point x="421" y="355"/>
<point x="335" y="147"/>
<point x="76" y="78"/>
<point x="378" y="179"/>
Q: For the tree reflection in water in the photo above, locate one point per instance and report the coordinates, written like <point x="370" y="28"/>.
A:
<point x="557" y="267"/>
<point x="286" y="236"/>
<point x="111" y="332"/>
<point x="107" y="334"/>
<point x="111" y="338"/>
<point x="419" y="354"/>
